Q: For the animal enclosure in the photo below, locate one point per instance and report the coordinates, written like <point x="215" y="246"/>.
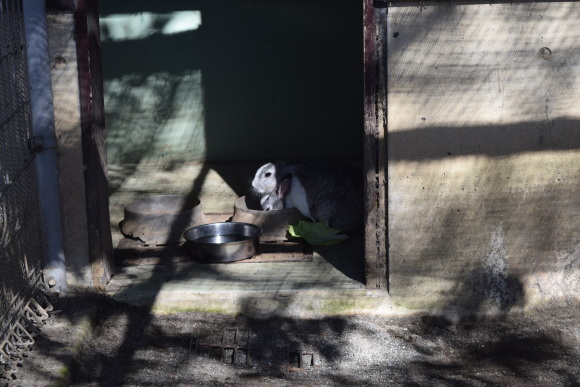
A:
<point x="258" y="82"/>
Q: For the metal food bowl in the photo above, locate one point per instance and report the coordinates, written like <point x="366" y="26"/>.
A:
<point x="223" y="242"/>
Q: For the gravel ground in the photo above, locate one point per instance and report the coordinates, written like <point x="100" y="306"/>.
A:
<point x="131" y="347"/>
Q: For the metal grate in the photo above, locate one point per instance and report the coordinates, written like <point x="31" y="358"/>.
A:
<point x="244" y="347"/>
<point x="23" y="307"/>
<point x="299" y="360"/>
<point x="232" y="347"/>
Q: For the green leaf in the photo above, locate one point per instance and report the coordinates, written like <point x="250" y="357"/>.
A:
<point x="317" y="234"/>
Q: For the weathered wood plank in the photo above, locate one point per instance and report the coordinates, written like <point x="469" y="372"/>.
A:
<point x="132" y="252"/>
<point x="65" y="87"/>
<point x="93" y="135"/>
<point x="374" y="154"/>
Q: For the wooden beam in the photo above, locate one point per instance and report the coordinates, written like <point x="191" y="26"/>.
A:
<point x="374" y="147"/>
<point x="93" y="135"/>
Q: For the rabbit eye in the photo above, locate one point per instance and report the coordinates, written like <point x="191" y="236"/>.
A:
<point x="268" y="174"/>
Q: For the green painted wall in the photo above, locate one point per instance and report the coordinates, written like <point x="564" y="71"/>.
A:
<point x="255" y="80"/>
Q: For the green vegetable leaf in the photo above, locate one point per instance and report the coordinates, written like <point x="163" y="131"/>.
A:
<point x="317" y="234"/>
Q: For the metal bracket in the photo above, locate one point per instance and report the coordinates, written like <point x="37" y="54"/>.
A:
<point x="55" y="280"/>
<point x="38" y="143"/>
<point x="381" y="3"/>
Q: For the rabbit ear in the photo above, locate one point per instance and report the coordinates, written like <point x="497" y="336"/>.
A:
<point x="283" y="188"/>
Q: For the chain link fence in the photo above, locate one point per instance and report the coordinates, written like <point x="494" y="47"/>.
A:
<point x="23" y="304"/>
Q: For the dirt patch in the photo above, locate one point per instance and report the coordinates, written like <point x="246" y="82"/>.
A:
<point x="131" y="346"/>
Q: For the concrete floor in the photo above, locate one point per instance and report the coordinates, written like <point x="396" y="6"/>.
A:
<point x="332" y="282"/>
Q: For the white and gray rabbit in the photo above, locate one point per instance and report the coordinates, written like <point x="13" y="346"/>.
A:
<point x="269" y="176"/>
<point x="329" y="193"/>
<point x="274" y="200"/>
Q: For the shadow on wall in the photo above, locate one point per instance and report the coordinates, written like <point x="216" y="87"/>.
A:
<point x="490" y="286"/>
<point x="482" y="214"/>
<point x="251" y="81"/>
<point x="433" y="143"/>
<point x="477" y="215"/>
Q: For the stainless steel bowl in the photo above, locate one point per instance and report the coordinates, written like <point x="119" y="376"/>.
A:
<point x="223" y="242"/>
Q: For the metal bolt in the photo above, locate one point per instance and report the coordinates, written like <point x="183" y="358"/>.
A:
<point x="545" y="53"/>
<point x="51" y="282"/>
<point x="59" y="63"/>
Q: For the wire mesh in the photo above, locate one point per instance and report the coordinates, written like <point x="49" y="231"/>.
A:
<point x="20" y="239"/>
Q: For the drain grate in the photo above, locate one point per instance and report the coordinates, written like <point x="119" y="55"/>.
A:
<point x="243" y="347"/>
<point x="298" y="360"/>
<point x="233" y="347"/>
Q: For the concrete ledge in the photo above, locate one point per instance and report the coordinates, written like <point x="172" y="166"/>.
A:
<point x="266" y="304"/>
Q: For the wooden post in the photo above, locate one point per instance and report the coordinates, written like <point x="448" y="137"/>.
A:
<point x="93" y="136"/>
<point x="374" y="146"/>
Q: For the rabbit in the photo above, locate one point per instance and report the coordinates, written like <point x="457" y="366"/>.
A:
<point x="269" y="176"/>
<point x="279" y="200"/>
<point x="328" y="193"/>
<point x="274" y="201"/>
